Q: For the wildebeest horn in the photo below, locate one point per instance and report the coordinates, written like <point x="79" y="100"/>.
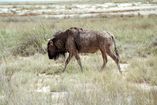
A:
<point x="48" y="39"/>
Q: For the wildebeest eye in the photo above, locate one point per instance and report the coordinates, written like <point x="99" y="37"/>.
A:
<point x="51" y="43"/>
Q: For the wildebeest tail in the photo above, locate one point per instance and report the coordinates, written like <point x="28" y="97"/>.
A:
<point x="115" y="47"/>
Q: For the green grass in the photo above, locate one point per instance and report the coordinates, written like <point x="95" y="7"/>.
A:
<point x="24" y="66"/>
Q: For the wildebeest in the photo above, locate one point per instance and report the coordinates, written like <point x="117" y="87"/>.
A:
<point x="77" y="40"/>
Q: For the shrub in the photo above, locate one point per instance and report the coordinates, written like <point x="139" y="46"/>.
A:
<point x="29" y="44"/>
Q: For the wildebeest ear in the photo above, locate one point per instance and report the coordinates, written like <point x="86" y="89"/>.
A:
<point x="59" y="44"/>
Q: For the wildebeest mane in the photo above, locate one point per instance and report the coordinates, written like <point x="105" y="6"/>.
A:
<point x="59" y="51"/>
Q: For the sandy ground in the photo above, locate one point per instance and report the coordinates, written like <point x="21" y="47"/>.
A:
<point x="79" y="10"/>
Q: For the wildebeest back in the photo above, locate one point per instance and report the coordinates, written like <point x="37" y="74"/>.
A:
<point x="86" y="40"/>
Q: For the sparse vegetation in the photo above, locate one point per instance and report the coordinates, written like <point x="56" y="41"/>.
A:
<point x="22" y="79"/>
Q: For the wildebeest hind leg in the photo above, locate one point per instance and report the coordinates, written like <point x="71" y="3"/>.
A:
<point x="67" y="61"/>
<point x="79" y="61"/>
<point x="114" y="57"/>
<point x="103" y="52"/>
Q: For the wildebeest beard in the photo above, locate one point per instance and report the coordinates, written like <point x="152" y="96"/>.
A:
<point x="56" y="54"/>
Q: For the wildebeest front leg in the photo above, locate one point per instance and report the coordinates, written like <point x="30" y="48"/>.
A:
<point x="79" y="61"/>
<point x="67" y="61"/>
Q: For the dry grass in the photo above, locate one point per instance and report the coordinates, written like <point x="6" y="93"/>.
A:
<point x="72" y="87"/>
<point x="23" y="79"/>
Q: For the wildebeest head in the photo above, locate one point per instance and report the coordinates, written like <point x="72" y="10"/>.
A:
<point x="55" y="48"/>
<point x="51" y="49"/>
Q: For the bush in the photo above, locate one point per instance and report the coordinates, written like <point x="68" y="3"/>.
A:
<point x="29" y="45"/>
